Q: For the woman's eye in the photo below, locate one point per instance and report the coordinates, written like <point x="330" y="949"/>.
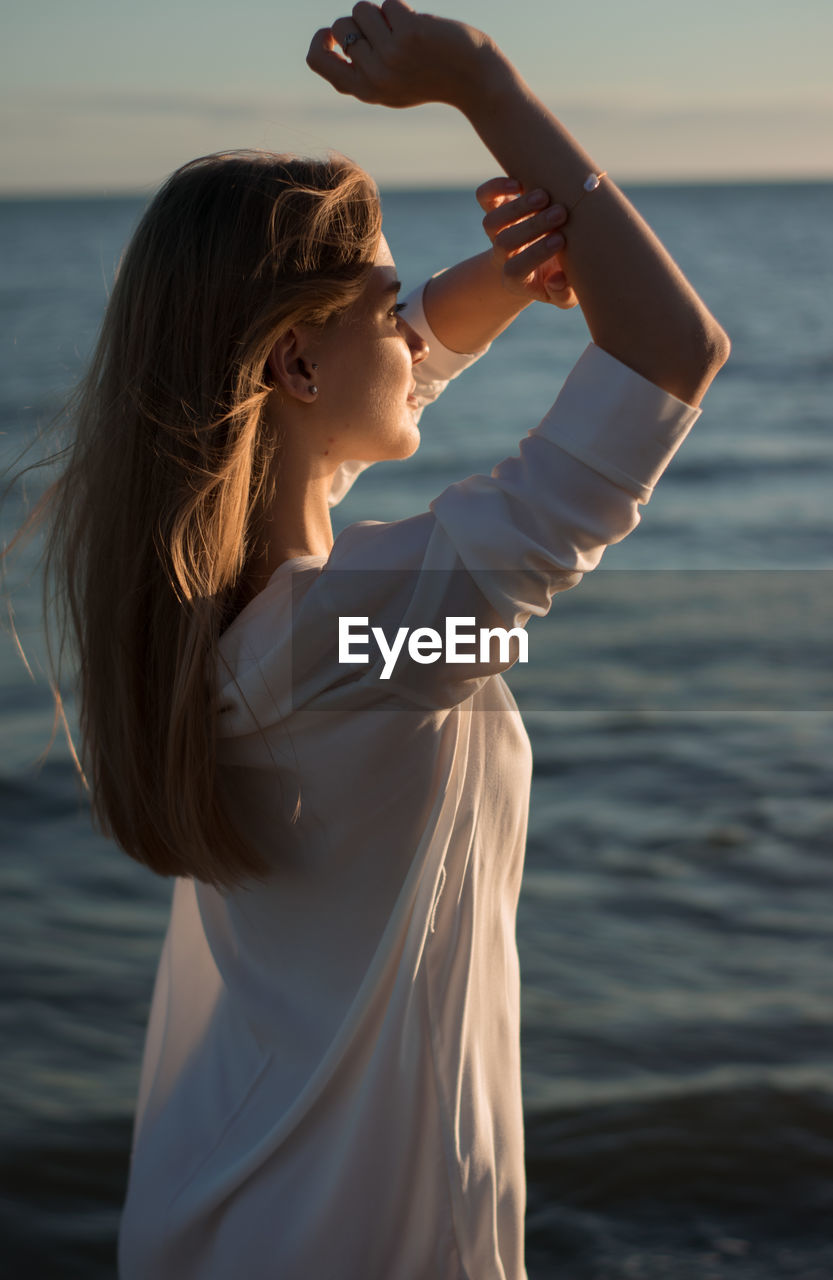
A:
<point x="400" y="306"/>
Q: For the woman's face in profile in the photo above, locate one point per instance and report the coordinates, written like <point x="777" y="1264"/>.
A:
<point x="365" y="371"/>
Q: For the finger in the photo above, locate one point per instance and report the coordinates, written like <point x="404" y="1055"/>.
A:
<point x="556" y="281"/>
<point x="344" y="27"/>
<point x="323" y="59"/>
<point x="499" y="202"/>
<point x="557" y="288"/>
<point x="371" y="22"/>
<point x="520" y="234"/>
<point x="559" y="292"/>
<point x="523" y="264"/>
<point x="395" y="11"/>
<point x="495" y="190"/>
<point x="512" y="211"/>
<point x="362" y="55"/>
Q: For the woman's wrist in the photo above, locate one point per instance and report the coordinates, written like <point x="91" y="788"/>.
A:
<point x="485" y="81"/>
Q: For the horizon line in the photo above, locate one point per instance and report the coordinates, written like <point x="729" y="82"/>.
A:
<point x="135" y="193"/>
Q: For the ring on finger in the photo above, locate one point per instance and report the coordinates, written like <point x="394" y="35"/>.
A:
<point x="351" y="38"/>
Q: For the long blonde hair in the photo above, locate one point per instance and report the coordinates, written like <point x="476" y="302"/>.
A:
<point x="151" y="520"/>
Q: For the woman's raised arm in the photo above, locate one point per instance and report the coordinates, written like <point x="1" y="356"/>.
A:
<point x="638" y="305"/>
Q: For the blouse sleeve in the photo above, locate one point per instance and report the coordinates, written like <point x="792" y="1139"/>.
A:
<point x="432" y="375"/>
<point x="494" y="550"/>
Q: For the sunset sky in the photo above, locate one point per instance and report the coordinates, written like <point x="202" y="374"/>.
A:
<point x="102" y="95"/>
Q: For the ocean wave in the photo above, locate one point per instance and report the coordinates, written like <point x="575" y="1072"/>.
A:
<point x="735" y="1182"/>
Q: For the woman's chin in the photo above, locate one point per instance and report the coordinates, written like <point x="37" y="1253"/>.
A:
<point x="413" y="442"/>
<point x="394" y="444"/>
<point x="405" y="443"/>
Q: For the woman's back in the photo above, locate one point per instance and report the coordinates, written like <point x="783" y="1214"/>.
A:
<point x="331" y="1067"/>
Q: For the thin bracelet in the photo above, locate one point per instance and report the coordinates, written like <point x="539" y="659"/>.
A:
<point x="591" y="183"/>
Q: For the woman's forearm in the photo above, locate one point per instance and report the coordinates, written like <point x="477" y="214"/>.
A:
<point x="467" y="306"/>
<point x="638" y="305"/>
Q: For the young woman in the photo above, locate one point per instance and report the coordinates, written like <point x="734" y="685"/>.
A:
<point x="331" y="1080"/>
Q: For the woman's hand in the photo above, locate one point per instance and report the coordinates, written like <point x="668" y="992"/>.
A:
<point x="401" y="58"/>
<point x="526" y="235"/>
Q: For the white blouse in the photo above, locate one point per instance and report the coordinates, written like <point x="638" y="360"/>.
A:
<point x="331" y="1083"/>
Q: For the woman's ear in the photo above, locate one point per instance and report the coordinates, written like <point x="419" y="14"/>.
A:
<point x="290" y="367"/>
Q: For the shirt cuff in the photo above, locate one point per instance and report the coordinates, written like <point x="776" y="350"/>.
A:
<point x="617" y="422"/>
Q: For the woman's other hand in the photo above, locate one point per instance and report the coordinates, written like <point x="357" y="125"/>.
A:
<point x="526" y="232"/>
<point x="395" y="57"/>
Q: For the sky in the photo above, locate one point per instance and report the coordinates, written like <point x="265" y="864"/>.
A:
<point x="105" y="95"/>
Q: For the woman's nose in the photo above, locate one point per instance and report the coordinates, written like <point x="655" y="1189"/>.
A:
<point x="417" y="344"/>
